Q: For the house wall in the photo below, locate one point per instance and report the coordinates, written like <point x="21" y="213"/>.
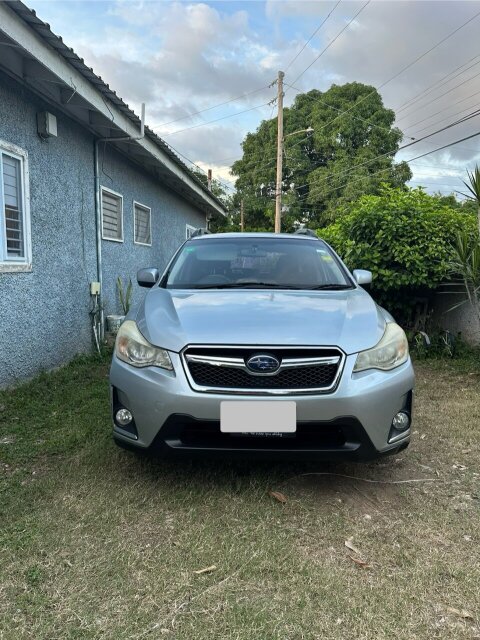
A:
<point x="44" y="319"/>
<point x="44" y="313"/>
<point x="170" y="215"/>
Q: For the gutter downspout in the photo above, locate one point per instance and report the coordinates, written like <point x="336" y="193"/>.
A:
<point x="98" y="211"/>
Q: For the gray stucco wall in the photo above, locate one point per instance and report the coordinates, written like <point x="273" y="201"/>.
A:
<point x="461" y="320"/>
<point x="170" y="215"/>
<point x="44" y="317"/>
<point x="44" y="313"/>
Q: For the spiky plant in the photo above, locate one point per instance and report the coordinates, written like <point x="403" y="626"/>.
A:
<point x="465" y="264"/>
<point x="473" y="186"/>
<point x="125" y="294"/>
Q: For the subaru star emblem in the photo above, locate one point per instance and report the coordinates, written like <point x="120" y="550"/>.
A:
<point x="263" y="364"/>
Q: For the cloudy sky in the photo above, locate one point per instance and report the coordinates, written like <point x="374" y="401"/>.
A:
<point x="184" y="57"/>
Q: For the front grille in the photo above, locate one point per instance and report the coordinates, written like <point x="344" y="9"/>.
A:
<point x="301" y="369"/>
<point x="208" y="375"/>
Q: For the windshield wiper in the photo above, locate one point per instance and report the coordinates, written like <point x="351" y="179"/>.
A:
<point x="331" y="287"/>
<point x="240" y="285"/>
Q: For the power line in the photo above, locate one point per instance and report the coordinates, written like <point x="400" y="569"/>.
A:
<point x="372" y="124"/>
<point x="224" y="184"/>
<point x="419" y="108"/>
<point x="269" y="162"/>
<point x="333" y="41"/>
<point x="405" y="68"/>
<point x="313" y="35"/>
<point x="346" y="171"/>
<point x="203" y="124"/>
<point x="379" y="171"/>
<point x="408" y="103"/>
<point x="437" y="166"/>
<point x="445" y="146"/>
<point x="394" y="151"/>
<point x="344" y="112"/>
<point x="422" y="155"/>
<point x="215" y="106"/>
<point x="452" y="115"/>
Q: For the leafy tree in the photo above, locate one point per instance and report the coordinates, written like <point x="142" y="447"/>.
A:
<point x="404" y="237"/>
<point x="323" y="170"/>
<point x="462" y="206"/>
<point x="218" y="189"/>
<point x="219" y="223"/>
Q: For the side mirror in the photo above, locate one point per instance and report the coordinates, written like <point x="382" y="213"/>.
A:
<point x="147" y="277"/>
<point x="362" y="276"/>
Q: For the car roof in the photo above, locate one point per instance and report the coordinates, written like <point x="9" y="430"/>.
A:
<point x="251" y="234"/>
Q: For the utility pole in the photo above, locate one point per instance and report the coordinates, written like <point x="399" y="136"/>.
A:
<point x="278" y="192"/>
<point x="209" y="180"/>
<point x="242" y="219"/>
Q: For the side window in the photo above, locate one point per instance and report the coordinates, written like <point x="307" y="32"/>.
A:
<point x="15" y="241"/>
<point x="189" y="230"/>
<point x="142" y="224"/>
<point x="112" y="215"/>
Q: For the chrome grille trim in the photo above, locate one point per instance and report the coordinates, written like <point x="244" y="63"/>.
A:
<point x="239" y="363"/>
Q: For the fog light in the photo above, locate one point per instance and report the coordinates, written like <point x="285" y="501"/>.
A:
<point x="123" y="417"/>
<point x="401" y="421"/>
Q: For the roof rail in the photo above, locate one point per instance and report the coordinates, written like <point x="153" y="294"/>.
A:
<point x="305" y="232"/>
<point x="199" y="232"/>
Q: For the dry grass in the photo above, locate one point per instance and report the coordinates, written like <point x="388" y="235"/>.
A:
<point x="96" y="543"/>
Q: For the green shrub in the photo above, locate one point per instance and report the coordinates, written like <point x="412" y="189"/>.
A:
<point x="404" y="237"/>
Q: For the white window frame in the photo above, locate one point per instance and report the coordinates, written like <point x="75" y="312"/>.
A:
<point x="149" y="209"/>
<point x="118" y="195"/>
<point x="189" y="227"/>
<point x="23" y="264"/>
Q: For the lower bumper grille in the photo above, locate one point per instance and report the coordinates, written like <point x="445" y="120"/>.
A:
<point x="339" y="438"/>
<point x="300" y="370"/>
<point x="308" y="436"/>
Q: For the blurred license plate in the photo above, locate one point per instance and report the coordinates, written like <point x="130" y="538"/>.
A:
<point x="258" y="417"/>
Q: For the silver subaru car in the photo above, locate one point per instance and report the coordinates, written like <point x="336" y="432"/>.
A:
<point x="260" y="344"/>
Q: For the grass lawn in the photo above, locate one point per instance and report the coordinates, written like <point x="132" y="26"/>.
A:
<point x="96" y="543"/>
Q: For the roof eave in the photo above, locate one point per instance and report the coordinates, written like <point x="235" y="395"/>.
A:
<point x="41" y="60"/>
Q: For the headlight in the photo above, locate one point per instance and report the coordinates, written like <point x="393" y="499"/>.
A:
<point x="132" y="348"/>
<point x="390" y="352"/>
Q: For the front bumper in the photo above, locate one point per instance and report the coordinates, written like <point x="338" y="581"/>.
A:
<point x="354" y="421"/>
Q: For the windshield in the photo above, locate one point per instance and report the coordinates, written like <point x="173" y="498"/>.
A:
<point x="284" y="263"/>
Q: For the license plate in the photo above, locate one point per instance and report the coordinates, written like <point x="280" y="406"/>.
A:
<point x="258" y="416"/>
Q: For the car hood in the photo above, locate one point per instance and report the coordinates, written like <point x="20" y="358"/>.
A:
<point x="349" y="319"/>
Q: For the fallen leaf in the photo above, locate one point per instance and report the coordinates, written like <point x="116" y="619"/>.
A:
<point x="206" y="570"/>
<point x="460" y="613"/>
<point x="278" y="496"/>
<point x="349" y="545"/>
<point x="361" y="563"/>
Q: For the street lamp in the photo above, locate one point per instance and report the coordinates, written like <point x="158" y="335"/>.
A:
<point x="278" y="194"/>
